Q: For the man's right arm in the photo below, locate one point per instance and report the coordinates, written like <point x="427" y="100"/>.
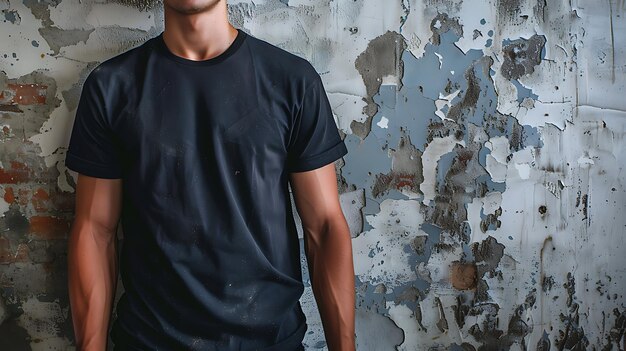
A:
<point x="92" y="259"/>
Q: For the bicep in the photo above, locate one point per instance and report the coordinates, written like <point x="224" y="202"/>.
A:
<point x="316" y="196"/>
<point x="98" y="202"/>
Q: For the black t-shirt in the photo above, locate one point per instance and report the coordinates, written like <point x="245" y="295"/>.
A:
<point x="210" y="258"/>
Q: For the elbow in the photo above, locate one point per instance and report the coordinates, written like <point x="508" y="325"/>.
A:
<point x="99" y="232"/>
<point x="328" y="231"/>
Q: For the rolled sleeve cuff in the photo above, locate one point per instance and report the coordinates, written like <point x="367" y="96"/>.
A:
<point x="310" y="163"/>
<point x="90" y="168"/>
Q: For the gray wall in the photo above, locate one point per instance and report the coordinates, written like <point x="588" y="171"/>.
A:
<point x="484" y="184"/>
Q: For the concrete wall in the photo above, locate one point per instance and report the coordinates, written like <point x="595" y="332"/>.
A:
<point x="484" y="184"/>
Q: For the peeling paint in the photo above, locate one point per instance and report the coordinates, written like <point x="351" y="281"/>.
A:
<point x="483" y="185"/>
<point x="381" y="58"/>
<point x="521" y="56"/>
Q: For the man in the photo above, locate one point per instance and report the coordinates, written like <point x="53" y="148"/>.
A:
<point x="192" y="140"/>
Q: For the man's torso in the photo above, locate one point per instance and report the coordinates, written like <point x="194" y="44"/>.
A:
<point x="210" y="257"/>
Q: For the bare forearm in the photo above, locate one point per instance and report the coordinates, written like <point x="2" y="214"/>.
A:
<point x="92" y="280"/>
<point x="332" y="278"/>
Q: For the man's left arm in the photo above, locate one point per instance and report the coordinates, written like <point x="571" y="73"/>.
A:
<point x="328" y="248"/>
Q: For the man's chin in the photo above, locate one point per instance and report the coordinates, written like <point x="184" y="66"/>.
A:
<point x="191" y="7"/>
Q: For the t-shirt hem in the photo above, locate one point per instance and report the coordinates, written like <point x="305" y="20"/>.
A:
<point x="123" y="341"/>
<point x="319" y="160"/>
<point x="90" y="168"/>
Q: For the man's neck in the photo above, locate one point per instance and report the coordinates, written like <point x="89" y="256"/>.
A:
<point x="198" y="36"/>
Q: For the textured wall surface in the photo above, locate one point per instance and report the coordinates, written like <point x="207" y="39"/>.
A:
<point x="484" y="183"/>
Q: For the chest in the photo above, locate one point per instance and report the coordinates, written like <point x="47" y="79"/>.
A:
<point x="169" y="108"/>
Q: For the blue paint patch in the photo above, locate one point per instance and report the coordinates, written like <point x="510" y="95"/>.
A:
<point x="523" y="92"/>
<point x="485" y="182"/>
<point x="490" y="33"/>
<point x="488" y="43"/>
<point x="482" y="155"/>
<point x="443" y="166"/>
<point x="445" y="108"/>
<point x="368" y="297"/>
<point x="365" y="158"/>
<point x="386" y="102"/>
<point x="483" y="216"/>
<point x="34" y="43"/>
<point x="12" y="16"/>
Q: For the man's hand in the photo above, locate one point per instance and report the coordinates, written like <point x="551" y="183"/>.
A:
<point x="328" y="248"/>
<point x="92" y="259"/>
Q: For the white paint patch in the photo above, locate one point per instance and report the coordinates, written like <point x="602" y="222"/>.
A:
<point x="470" y="16"/>
<point x="391" y="79"/>
<point x="444" y="101"/>
<point x="346" y="106"/>
<point x="440" y="58"/>
<point x="473" y="219"/>
<point x="71" y="14"/>
<point x="417" y="26"/>
<point x="379" y="253"/>
<point x="523" y="169"/>
<point x="405" y="319"/>
<point x="491" y="202"/>
<point x="17" y="39"/>
<point x="440" y="260"/>
<point x="383" y="123"/>
<point x="584" y="161"/>
<point x="496" y="160"/>
<point x="601" y="54"/>
<point x="430" y="158"/>
<point x="351" y="204"/>
<point x="42" y="321"/>
<point x="115" y="14"/>
<point x="524" y="161"/>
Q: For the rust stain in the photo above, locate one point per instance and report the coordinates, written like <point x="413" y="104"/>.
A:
<point x="17" y="173"/>
<point x="463" y="276"/>
<point x="9" y="196"/>
<point x="396" y="180"/>
<point x="24" y="94"/>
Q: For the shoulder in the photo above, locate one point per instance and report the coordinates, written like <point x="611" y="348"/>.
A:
<point x="117" y="69"/>
<point x="275" y="61"/>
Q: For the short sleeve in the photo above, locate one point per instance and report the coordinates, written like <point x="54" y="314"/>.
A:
<point x="92" y="148"/>
<point x="315" y="140"/>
